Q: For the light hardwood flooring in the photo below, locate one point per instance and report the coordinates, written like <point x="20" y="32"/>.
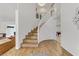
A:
<point x="45" y="48"/>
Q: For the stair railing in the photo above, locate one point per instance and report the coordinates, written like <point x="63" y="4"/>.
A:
<point x="43" y="21"/>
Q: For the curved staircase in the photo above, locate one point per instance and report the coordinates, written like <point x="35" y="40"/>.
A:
<point x="31" y="39"/>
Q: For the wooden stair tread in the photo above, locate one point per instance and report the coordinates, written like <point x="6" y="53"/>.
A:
<point x="30" y="41"/>
<point x="29" y="45"/>
<point x="31" y="37"/>
<point x="32" y="33"/>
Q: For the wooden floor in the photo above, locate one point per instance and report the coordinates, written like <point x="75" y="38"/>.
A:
<point x="45" y="48"/>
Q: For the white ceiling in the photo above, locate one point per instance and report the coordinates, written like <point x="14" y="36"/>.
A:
<point x="7" y="11"/>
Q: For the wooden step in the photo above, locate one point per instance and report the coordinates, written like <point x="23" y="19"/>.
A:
<point x="32" y="37"/>
<point x="30" y="41"/>
<point x="29" y="45"/>
<point x="33" y="34"/>
<point x="35" y="29"/>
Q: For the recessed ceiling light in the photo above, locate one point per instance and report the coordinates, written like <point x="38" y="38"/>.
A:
<point x="41" y="4"/>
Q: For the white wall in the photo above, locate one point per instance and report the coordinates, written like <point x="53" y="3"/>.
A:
<point x="7" y="11"/>
<point x="49" y="29"/>
<point x="70" y="33"/>
<point x="58" y="17"/>
<point x="27" y="19"/>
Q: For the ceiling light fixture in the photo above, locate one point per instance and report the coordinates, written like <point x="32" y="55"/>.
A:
<point x="41" y="4"/>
